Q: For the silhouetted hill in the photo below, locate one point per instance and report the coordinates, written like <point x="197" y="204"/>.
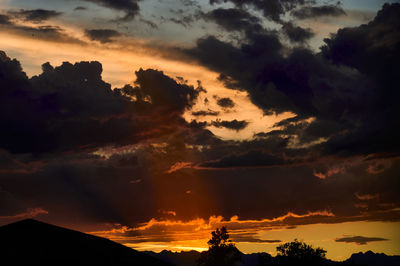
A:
<point x="370" y="258"/>
<point x="30" y="242"/>
<point x="189" y="258"/>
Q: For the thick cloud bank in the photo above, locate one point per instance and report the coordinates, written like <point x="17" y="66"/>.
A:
<point x="71" y="146"/>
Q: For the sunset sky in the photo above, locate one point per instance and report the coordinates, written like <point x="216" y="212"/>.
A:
<point x="153" y="122"/>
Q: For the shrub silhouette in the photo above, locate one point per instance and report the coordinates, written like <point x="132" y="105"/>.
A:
<point x="221" y="251"/>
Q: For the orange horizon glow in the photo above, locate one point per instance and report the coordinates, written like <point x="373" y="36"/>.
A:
<point x="319" y="235"/>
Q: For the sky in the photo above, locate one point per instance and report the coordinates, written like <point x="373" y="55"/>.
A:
<point x="154" y="122"/>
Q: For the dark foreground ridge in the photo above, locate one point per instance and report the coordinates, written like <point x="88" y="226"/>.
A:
<point x="369" y="258"/>
<point x="30" y="242"/>
<point x="34" y="243"/>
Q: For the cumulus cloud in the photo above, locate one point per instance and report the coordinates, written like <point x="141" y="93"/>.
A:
<point x="353" y="64"/>
<point x="71" y="106"/>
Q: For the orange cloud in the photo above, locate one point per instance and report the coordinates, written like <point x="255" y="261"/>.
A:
<point x="168" y="230"/>
<point x="329" y="172"/>
<point x="179" y="165"/>
<point x="366" y="196"/>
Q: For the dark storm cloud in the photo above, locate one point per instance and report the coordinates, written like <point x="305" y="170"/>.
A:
<point x="82" y="185"/>
<point x="35" y="15"/>
<point x="163" y="92"/>
<point x="233" y="19"/>
<point x="297" y="33"/>
<point x="350" y="93"/>
<point x="102" y="35"/>
<point x="70" y="106"/>
<point x="359" y="240"/>
<point x="234" y="124"/>
<point x="130" y="7"/>
<point x="318" y="11"/>
<point x="225" y="102"/>
<point x="349" y="88"/>
<point x="373" y="50"/>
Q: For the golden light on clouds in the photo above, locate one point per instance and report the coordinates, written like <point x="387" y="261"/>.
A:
<point x="253" y="236"/>
<point x="289" y="153"/>
<point x="119" y="65"/>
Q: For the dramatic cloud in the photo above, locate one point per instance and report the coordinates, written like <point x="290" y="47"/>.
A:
<point x="71" y="106"/>
<point x="35" y="15"/>
<point x="72" y="145"/>
<point x="102" y="35"/>
<point x="130" y="7"/>
<point x="359" y="240"/>
<point x="166" y="230"/>
<point x="351" y="79"/>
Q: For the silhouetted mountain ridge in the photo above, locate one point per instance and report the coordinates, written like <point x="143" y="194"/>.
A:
<point x="34" y="243"/>
<point x="370" y="258"/>
<point x="30" y="242"/>
<point x="189" y="258"/>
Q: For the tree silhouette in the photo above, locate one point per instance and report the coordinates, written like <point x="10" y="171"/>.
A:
<point x="300" y="254"/>
<point x="221" y="252"/>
